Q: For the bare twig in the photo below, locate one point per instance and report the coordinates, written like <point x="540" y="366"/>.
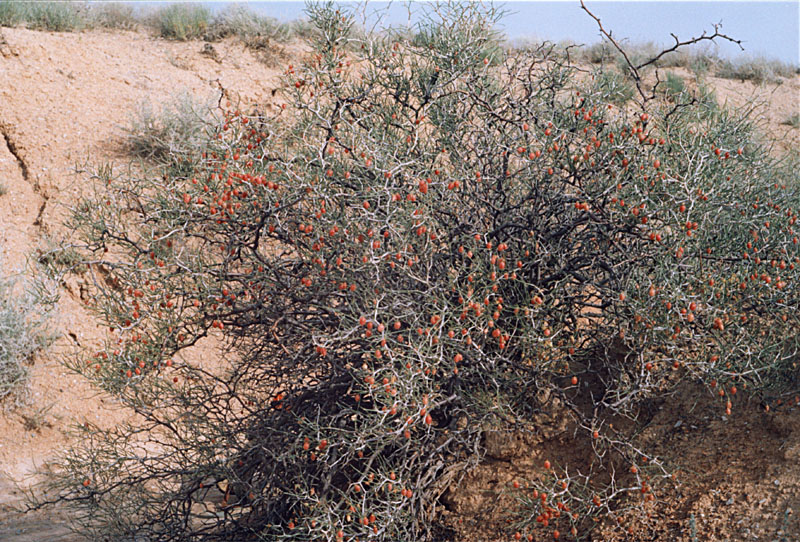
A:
<point x="678" y="44"/>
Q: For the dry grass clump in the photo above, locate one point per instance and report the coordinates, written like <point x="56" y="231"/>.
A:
<point x="756" y="69"/>
<point x="25" y="307"/>
<point x="113" y="15"/>
<point x="168" y="134"/>
<point x="700" y="61"/>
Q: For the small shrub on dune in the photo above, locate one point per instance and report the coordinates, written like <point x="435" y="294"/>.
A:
<point x="757" y="70"/>
<point x="52" y="16"/>
<point x="113" y="15"/>
<point x="170" y="133"/>
<point x="11" y="12"/>
<point x="25" y="307"/>
<point x="181" y="21"/>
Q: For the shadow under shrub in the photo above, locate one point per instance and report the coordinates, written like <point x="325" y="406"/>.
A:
<point x="420" y="230"/>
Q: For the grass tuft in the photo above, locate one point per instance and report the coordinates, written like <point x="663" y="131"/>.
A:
<point x="239" y="21"/>
<point x="618" y="87"/>
<point x="25" y="307"/>
<point x="171" y="133"/>
<point x="182" y="21"/>
<point x="674" y="85"/>
<point x="11" y="12"/>
<point x="113" y="15"/>
<point x="700" y="60"/>
<point x="756" y="69"/>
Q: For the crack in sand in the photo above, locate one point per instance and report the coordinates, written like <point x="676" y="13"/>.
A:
<point x="12" y="147"/>
<point x="5" y="48"/>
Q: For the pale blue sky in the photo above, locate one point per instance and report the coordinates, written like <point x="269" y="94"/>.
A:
<point x="768" y="28"/>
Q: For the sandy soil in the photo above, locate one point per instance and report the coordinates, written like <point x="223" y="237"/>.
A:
<point x="63" y="99"/>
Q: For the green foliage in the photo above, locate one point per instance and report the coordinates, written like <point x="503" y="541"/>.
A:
<point x="57" y="259"/>
<point x="241" y="22"/>
<point x="11" y="12"/>
<point x="55" y="16"/>
<point x="52" y="16"/>
<point x="699" y="60"/>
<point x="674" y="85"/>
<point x="614" y="85"/>
<point x="700" y="64"/>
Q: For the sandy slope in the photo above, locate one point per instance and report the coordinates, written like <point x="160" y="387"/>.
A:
<point x="62" y="100"/>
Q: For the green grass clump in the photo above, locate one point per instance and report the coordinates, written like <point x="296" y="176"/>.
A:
<point x="11" y="12"/>
<point x="55" y="16"/>
<point x="618" y="87"/>
<point x="52" y="16"/>
<point x="674" y="85"/>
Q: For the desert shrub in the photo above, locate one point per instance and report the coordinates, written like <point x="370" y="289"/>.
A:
<point x="241" y="22"/>
<point x="605" y="53"/>
<point x="597" y="53"/>
<point x="11" y="12"/>
<point x="113" y="15"/>
<point x="57" y="259"/>
<point x="262" y="35"/>
<point x="3" y="189"/>
<point x="674" y="85"/>
<point x="757" y="70"/>
<point x="181" y="21"/>
<point x="420" y="245"/>
<point x="304" y="29"/>
<point x="25" y="307"/>
<point x="170" y="133"/>
<point x="614" y="86"/>
<point x="53" y="16"/>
